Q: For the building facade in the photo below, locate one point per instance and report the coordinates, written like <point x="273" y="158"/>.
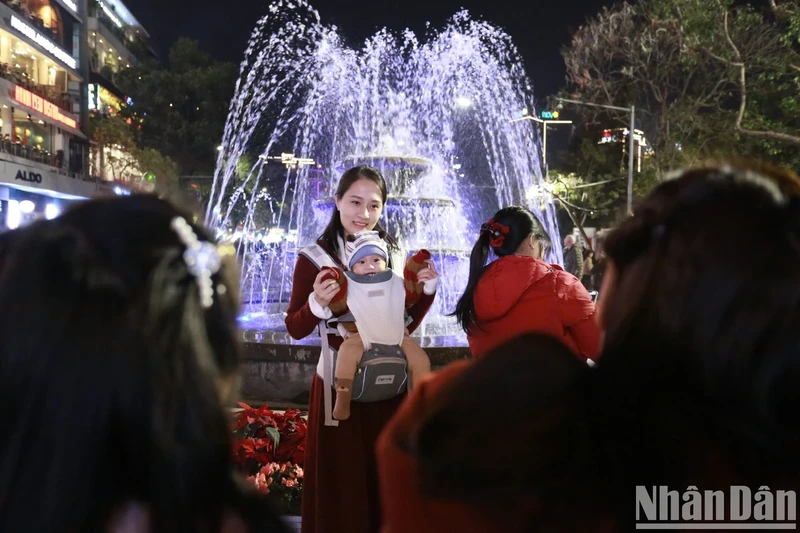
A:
<point x="620" y="137"/>
<point x="58" y="59"/>
<point x="43" y="148"/>
<point x="116" y="41"/>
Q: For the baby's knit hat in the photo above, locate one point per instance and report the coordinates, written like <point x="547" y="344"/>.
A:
<point x="366" y="243"/>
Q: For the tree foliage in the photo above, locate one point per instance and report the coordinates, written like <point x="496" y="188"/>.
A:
<point x="707" y="78"/>
<point x="181" y="107"/>
<point x="113" y="132"/>
<point x="129" y="161"/>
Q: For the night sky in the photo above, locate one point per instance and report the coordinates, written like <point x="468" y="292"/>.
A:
<point x="223" y="26"/>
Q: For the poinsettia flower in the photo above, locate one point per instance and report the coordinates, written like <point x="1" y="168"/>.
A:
<point x="244" y="445"/>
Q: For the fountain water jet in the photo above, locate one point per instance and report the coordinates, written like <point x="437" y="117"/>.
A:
<point x="435" y="117"/>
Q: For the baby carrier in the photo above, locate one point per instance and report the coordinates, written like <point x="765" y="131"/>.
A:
<point x="382" y="373"/>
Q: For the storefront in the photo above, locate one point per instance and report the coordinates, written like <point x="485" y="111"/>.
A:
<point x="20" y="208"/>
<point x="29" y="193"/>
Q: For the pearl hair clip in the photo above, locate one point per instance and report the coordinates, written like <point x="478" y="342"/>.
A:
<point x="202" y="260"/>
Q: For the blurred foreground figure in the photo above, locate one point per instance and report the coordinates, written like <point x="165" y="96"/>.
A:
<point x="696" y="386"/>
<point x="118" y="350"/>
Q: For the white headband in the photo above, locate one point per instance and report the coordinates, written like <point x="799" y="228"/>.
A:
<point x="202" y="260"/>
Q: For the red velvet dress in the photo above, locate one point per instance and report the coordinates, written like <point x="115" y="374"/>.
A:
<point x="340" y="489"/>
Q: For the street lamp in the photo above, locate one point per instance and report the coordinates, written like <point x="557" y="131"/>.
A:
<point x="630" y="149"/>
<point x="544" y="136"/>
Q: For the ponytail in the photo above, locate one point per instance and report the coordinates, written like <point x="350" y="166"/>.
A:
<point x="465" y="308"/>
<point x="503" y="233"/>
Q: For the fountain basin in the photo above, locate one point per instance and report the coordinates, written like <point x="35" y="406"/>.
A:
<point x="280" y="374"/>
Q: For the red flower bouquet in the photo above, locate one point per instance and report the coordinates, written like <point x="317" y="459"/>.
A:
<point x="269" y="449"/>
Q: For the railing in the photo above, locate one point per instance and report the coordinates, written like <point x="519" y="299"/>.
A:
<point x="57" y="160"/>
<point x="136" y="45"/>
<point x="96" y="12"/>
<point x="48" y="92"/>
<point x="36" y="21"/>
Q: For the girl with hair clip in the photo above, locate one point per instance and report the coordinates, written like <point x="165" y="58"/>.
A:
<point x="520" y="293"/>
<point x="697" y="384"/>
<point x="119" y="354"/>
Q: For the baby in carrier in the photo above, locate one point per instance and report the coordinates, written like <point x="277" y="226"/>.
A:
<point x="371" y="309"/>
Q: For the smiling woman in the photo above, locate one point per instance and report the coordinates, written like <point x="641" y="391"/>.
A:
<point x="341" y="485"/>
<point x="359" y="199"/>
<point x="360" y="207"/>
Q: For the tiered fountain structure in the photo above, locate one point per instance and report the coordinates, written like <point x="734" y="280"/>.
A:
<point x="436" y="117"/>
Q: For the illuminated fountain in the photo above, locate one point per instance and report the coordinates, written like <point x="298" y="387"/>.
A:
<point x="434" y="115"/>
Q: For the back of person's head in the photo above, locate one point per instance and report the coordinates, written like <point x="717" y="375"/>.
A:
<point x="503" y="234"/>
<point x="703" y="307"/>
<point x="113" y="369"/>
<point x="494" y="433"/>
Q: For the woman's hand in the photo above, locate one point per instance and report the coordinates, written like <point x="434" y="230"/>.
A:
<point x="429" y="277"/>
<point x="324" y="291"/>
<point x="428" y="273"/>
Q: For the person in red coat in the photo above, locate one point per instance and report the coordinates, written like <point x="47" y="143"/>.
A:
<point x="340" y="490"/>
<point x="519" y="293"/>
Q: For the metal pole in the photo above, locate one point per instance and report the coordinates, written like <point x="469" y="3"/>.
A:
<point x="544" y="149"/>
<point x="630" y="162"/>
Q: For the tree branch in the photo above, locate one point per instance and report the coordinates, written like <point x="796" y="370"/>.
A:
<point x="722" y="59"/>
<point x="773" y="7"/>
<point x="566" y="205"/>
<point x="774" y="135"/>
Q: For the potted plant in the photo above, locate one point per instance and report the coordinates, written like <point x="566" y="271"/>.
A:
<point x="269" y="448"/>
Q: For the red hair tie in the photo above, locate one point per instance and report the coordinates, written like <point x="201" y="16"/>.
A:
<point x="496" y="231"/>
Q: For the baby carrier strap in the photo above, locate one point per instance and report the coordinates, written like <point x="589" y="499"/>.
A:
<point x="327" y="375"/>
<point x="319" y="257"/>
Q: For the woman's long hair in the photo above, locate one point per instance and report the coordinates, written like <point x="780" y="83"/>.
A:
<point x="110" y="376"/>
<point x="522" y="224"/>
<point x="708" y="303"/>
<point x="335" y="230"/>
